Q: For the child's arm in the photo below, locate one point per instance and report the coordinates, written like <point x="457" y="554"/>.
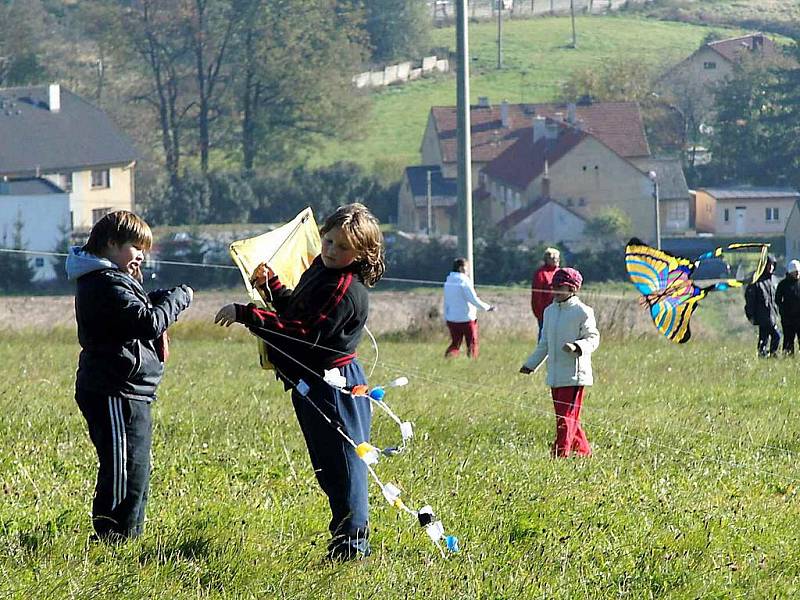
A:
<point x="589" y="336"/>
<point x="535" y="360"/>
<point x="269" y="286"/>
<point x="472" y="297"/>
<point x="134" y="319"/>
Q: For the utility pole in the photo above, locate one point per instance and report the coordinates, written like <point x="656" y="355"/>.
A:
<point x="499" y="33"/>
<point x="463" y="125"/>
<point x="654" y="178"/>
<point x="572" y="12"/>
<point x="430" y="210"/>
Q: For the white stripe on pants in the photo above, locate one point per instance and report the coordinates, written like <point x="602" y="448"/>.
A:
<point x="119" y="447"/>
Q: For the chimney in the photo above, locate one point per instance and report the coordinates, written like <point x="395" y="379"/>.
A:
<point x="55" y="97"/>
<point x="483" y="102"/>
<point x="572" y="116"/>
<point x="758" y="41"/>
<point x="539" y="128"/>
<point x="505" y="117"/>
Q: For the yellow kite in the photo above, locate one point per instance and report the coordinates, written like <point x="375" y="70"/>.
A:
<point x="287" y="250"/>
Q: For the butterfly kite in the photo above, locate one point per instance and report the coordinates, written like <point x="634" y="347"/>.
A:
<point x="668" y="289"/>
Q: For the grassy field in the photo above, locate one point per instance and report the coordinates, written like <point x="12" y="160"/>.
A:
<point x="537" y="62"/>
<point x="692" y="491"/>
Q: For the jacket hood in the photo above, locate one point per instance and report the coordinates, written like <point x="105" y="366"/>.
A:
<point x="80" y="263"/>
<point x="454" y="276"/>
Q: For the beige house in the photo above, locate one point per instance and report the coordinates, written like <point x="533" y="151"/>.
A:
<point x="426" y="201"/>
<point x="545" y="221"/>
<point x="49" y="132"/>
<point x="690" y="84"/>
<point x="744" y="210"/>
<point x="676" y="210"/>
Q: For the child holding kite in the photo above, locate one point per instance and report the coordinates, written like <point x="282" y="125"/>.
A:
<point x="317" y="327"/>
<point x="121" y="331"/>
<point x="569" y="336"/>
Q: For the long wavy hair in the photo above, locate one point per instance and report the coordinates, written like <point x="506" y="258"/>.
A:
<point x="363" y="232"/>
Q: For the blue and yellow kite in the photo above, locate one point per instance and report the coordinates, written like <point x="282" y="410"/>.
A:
<point x="667" y="285"/>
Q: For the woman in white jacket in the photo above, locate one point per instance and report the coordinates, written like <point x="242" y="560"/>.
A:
<point x="569" y="336"/>
<point x="461" y="305"/>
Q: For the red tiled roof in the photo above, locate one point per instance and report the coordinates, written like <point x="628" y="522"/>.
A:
<point x="617" y="124"/>
<point x="524" y="160"/>
<point x="733" y="49"/>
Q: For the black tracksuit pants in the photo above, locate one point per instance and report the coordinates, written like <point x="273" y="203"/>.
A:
<point x="121" y="431"/>
<point x="341" y="474"/>
<point x="791" y="330"/>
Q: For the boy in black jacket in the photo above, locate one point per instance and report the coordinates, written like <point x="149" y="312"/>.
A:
<point x="317" y="326"/>
<point x="121" y="331"/>
<point x="787" y="297"/>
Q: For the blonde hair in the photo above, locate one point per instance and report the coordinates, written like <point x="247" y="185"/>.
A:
<point x="363" y="233"/>
<point x="119" y="227"/>
<point x="554" y="252"/>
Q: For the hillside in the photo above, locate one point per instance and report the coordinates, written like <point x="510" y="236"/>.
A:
<point x="537" y="61"/>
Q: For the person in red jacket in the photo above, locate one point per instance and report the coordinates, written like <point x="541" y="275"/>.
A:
<point x="542" y="285"/>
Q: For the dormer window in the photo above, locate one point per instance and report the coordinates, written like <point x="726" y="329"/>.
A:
<point x="709" y="65"/>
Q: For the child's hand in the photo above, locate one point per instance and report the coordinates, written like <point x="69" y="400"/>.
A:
<point x="525" y="370"/>
<point x="492" y="308"/>
<point x="261" y="275"/>
<point x="570" y="348"/>
<point x="226" y="316"/>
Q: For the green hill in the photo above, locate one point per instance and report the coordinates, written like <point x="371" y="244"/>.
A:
<point x="537" y="61"/>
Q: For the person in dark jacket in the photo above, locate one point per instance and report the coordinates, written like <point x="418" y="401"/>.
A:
<point x="787" y="297"/>
<point x="121" y="332"/>
<point x="314" y="328"/>
<point x="761" y="310"/>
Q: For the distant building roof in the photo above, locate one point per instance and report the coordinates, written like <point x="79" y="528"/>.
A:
<point x="523" y="161"/>
<point x="519" y="215"/>
<point x="617" y="124"/>
<point x="669" y="175"/>
<point x="733" y="49"/>
<point x="28" y="187"/>
<point x="78" y="136"/>
<point x="747" y="192"/>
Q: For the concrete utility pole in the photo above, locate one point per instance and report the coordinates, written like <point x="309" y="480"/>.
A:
<point x="654" y="178"/>
<point x="499" y="34"/>
<point x="572" y="12"/>
<point x="464" y="139"/>
<point x="430" y="210"/>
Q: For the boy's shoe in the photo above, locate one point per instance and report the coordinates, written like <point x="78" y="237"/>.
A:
<point x="349" y="550"/>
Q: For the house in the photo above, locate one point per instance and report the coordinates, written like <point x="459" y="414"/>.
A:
<point x="744" y="210"/>
<point x="544" y="221"/>
<point x="792" y="233"/>
<point x="508" y="164"/>
<point x="415" y="213"/>
<point x="42" y="209"/>
<point x="49" y="132"/>
<point x="691" y="82"/>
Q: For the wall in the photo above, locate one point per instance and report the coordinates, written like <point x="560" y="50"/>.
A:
<point x="45" y="221"/>
<point x="755" y="215"/>
<point x="84" y="199"/>
<point x="549" y="225"/>
<point x="705" y="210"/>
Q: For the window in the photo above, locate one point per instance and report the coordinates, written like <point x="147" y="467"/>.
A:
<point x="38" y="262"/>
<point x="709" y="65"/>
<point x="62" y="180"/>
<point x="99" y="213"/>
<point x="100" y="179"/>
<point x="726" y="215"/>
<point x="678" y="213"/>
<point x="772" y="214"/>
<point x="581" y="201"/>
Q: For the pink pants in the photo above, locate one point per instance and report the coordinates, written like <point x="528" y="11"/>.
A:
<point x="570" y="437"/>
<point x="460" y="331"/>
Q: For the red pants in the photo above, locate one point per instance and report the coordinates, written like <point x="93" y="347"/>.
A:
<point x="570" y="437"/>
<point x="460" y="331"/>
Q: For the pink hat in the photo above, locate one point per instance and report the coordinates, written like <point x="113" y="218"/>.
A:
<point x="571" y="278"/>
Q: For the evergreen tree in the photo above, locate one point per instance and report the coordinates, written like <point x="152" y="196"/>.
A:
<point x="15" y="270"/>
<point x="783" y="119"/>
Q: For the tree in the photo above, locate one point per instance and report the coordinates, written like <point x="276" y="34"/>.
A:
<point x="185" y="202"/>
<point x="19" y="42"/>
<point x="14" y="267"/>
<point x="398" y="29"/>
<point x="294" y="86"/>
<point x="784" y="115"/>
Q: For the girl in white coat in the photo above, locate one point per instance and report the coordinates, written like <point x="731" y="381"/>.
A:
<point x="569" y="336"/>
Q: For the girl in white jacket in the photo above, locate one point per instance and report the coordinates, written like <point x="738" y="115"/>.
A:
<point x="569" y="336"/>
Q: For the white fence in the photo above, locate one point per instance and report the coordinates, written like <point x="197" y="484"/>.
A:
<point x="401" y="72"/>
<point x="443" y="11"/>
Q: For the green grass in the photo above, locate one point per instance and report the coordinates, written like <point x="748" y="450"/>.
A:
<point x="692" y="491"/>
<point x="537" y="62"/>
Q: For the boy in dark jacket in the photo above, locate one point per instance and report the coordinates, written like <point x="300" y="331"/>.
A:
<point x="120" y="330"/>
<point x="761" y="310"/>
<point x="787" y="297"/>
